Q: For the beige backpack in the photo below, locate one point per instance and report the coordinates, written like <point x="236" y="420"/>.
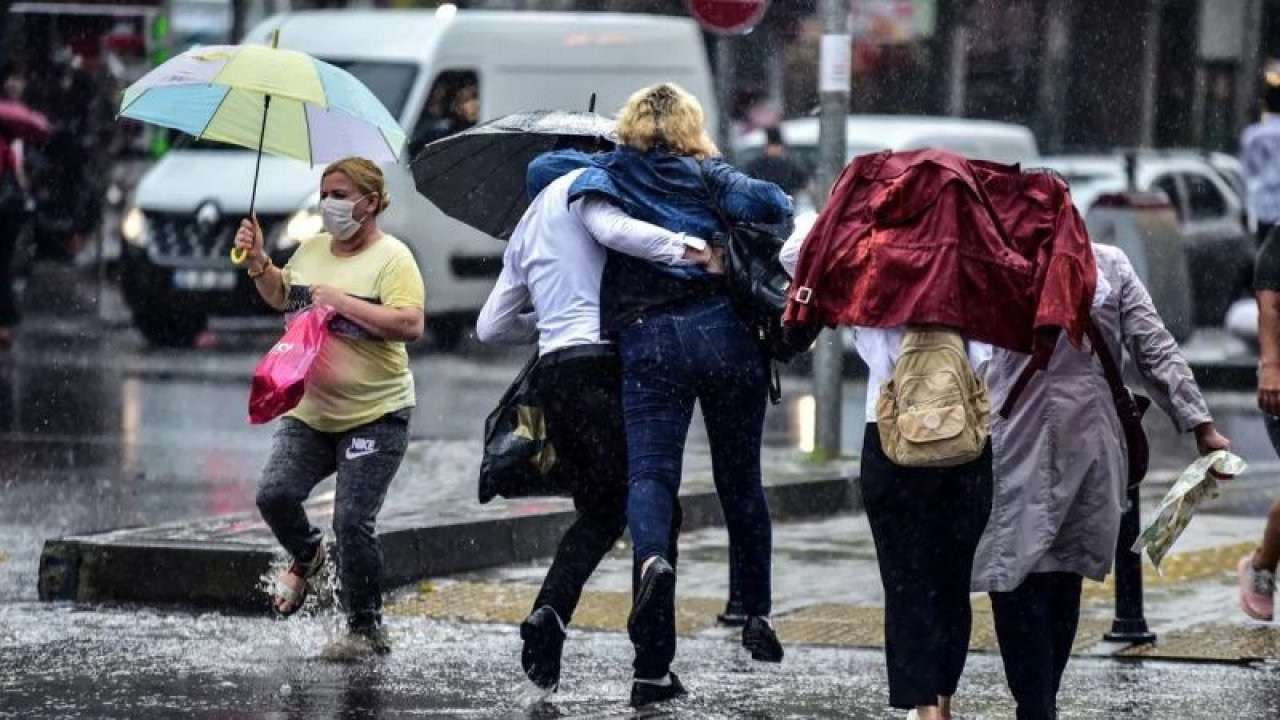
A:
<point x="933" y="411"/>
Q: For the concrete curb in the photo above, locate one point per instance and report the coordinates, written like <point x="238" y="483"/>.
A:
<point x="115" y="568"/>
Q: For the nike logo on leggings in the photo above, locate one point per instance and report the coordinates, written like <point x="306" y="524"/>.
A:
<point x="361" y="447"/>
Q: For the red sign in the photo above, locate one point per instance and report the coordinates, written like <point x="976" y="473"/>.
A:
<point x="727" y="17"/>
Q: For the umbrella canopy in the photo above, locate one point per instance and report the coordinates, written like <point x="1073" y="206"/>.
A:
<point x="316" y="112"/>
<point x="21" y="122"/>
<point x="478" y="175"/>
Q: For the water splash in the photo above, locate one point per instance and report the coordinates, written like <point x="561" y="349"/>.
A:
<point x="323" y="588"/>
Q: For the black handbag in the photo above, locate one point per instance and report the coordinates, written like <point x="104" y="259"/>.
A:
<point x="1130" y="407"/>
<point x="758" y="285"/>
<point x="519" y="458"/>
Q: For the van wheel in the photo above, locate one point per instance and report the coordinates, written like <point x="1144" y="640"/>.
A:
<point x="446" y="332"/>
<point x="174" y="329"/>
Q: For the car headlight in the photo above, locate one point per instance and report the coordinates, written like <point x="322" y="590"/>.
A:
<point x="301" y="227"/>
<point x="133" y="228"/>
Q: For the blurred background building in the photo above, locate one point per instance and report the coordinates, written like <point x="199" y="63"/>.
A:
<point x="1083" y="74"/>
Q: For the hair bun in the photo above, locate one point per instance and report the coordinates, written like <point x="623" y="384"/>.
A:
<point x="384" y="201"/>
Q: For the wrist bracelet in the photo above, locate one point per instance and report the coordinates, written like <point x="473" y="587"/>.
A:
<point x="265" y="267"/>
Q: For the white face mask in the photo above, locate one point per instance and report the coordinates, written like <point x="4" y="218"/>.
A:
<point x="336" y="214"/>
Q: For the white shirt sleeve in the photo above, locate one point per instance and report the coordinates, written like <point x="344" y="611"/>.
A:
<point x="616" y="230"/>
<point x="789" y="255"/>
<point x="501" y="320"/>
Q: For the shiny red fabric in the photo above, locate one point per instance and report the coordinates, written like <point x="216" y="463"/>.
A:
<point x="930" y="238"/>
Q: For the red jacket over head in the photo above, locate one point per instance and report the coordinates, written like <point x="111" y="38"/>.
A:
<point x="930" y="238"/>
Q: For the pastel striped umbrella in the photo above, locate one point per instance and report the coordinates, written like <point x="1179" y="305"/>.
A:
<point x="283" y="102"/>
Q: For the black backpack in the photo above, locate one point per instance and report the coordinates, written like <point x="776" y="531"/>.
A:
<point x="758" y="285"/>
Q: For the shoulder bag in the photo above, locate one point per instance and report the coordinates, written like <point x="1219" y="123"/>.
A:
<point x="758" y="285"/>
<point x="1130" y="407"/>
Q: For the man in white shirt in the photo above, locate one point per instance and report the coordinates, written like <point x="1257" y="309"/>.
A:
<point x="554" y="262"/>
<point x="1260" y="158"/>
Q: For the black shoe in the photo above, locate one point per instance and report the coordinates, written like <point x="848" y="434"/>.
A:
<point x="358" y="643"/>
<point x="543" y="642"/>
<point x="758" y="637"/>
<point x="655" y="601"/>
<point x="376" y="636"/>
<point x="733" y="615"/>
<point x="644" y="693"/>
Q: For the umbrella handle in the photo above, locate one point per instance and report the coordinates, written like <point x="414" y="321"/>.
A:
<point x="239" y="255"/>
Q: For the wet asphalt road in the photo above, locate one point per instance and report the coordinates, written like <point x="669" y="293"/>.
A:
<point x="209" y="666"/>
<point x="98" y="432"/>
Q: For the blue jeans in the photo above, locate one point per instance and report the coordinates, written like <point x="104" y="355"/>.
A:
<point x="701" y="352"/>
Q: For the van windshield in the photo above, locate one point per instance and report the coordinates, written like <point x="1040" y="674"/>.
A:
<point x="389" y="81"/>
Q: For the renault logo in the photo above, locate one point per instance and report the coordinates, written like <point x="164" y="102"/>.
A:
<point x="207" y="216"/>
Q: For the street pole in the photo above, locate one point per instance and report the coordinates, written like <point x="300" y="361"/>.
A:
<point x="1130" y="622"/>
<point x="725" y="82"/>
<point x="833" y="92"/>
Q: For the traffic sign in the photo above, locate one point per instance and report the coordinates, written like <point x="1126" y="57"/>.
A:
<point x="727" y="17"/>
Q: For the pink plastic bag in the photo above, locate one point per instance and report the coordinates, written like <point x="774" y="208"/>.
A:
<point x="280" y="378"/>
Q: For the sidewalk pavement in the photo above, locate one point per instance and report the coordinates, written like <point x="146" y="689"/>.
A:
<point x="429" y="527"/>
<point x="827" y="592"/>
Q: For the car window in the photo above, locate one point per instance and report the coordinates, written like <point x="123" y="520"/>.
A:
<point x="453" y="105"/>
<point x="1168" y="184"/>
<point x="1234" y="179"/>
<point x="390" y="82"/>
<point x="1204" y="200"/>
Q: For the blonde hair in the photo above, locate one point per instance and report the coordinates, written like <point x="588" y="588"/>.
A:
<point x="365" y="175"/>
<point x="665" y="114"/>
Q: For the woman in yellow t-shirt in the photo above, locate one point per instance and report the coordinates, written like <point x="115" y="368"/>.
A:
<point x="354" y="416"/>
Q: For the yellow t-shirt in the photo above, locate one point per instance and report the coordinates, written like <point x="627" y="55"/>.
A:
<point x="357" y="377"/>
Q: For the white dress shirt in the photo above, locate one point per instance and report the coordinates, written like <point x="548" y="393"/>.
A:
<point x="555" y="261"/>
<point x="879" y="347"/>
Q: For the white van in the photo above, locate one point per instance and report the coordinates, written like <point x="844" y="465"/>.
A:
<point x="175" y="271"/>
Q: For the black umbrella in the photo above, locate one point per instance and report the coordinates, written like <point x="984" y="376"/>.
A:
<point x="478" y="175"/>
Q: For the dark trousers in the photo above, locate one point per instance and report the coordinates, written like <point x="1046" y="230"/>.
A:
<point x="926" y="523"/>
<point x="366" y="459"/>
<point x="1036" y="626"/>
<point x="581" y="399"/>
<point x="9" y="228"/>
<point x="701" y="353"/>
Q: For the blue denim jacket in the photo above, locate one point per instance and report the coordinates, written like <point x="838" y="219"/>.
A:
<point x="669" y="190"/>
<point x="545" y="168"/>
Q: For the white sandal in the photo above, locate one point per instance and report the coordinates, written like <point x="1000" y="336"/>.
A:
<point x="282" y="593"/>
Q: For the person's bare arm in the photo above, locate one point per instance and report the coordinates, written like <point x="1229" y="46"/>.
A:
<point x="402" y="324"/>
<point x="1269" y="351"/>
<point x="267" y="278"/>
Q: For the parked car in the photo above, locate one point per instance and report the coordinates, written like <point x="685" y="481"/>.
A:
<point x="437" y="72"/>
<point x="1220" y="249"/>
<point x="979" y="139"/>
<point x="1242" y="322"/>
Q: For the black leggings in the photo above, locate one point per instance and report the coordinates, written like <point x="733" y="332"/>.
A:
<point x="926" y="523"/>
<point x="1036" y="626"/>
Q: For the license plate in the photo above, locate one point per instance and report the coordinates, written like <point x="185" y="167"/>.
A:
<point x="204" y="279"/>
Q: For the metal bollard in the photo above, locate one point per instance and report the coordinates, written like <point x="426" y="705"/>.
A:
<point x="1130" y="623"/>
